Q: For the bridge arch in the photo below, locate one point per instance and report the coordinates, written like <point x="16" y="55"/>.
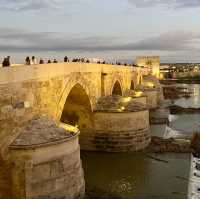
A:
<point x="74" y="85"/>
<point x="77" y="108"/>
<point x="117" y="88"/>
<point x="132" y="87"/>
<point x="140" y="80"/>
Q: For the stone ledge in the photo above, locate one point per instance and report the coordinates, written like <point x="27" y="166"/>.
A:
<point x="94" y="141"/>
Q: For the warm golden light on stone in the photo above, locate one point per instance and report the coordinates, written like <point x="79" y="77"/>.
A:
<point x="161" y="76"/>
<point x="138" y="93"/>
<point x="127" y="99"/>
<point x="122" y="108"/>
<point x="70" y="128"/>
<point x="150" y="85"/>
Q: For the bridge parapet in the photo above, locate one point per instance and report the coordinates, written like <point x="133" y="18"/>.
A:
<point x="42" y="71"/>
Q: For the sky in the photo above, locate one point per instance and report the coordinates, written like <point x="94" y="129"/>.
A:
<point x="106" y="29"/>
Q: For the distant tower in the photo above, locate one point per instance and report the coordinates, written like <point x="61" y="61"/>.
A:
<point x="152" y="62"/>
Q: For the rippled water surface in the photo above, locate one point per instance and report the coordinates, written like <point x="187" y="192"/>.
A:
<point x="137" y="176"/>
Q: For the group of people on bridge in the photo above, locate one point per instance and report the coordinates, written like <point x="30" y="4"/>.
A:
<point x="33" y="61"/>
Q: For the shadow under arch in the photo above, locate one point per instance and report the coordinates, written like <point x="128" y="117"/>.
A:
<point x="140" y="80"/>
<point x="132" y="85"/>
<point x="77" y="109"/>
<point x="117" y="90"/>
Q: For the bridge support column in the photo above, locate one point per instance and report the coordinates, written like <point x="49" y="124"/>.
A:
<point x="46" y="163"/>
<point x="119" y="125"/>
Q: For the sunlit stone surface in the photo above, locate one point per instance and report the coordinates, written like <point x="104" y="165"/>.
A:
<point x="118" y="125"/>
<point x="46" y="162"/>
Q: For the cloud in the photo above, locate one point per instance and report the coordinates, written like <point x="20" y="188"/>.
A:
<point x="38" y="5"/>
<point x="21" y="5"/>
<point x="18" y="40"/>
<point x="166" y="3"/>
<point x="53" y="5"/>
<point x="170" y="41"/>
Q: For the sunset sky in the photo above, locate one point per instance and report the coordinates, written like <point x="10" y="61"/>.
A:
<point x="108" y="29"/>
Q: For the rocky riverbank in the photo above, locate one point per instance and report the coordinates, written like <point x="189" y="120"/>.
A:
<point x="174" y="109"/>
<point x="180" y="81"/>
<point x="174" y="92"/>
<point x="160" y="145"/>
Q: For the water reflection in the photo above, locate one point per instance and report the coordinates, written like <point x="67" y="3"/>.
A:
<point x="136" y="176"/>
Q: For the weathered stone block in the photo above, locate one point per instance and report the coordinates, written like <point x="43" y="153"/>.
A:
<point x="6" y="109"/>
<point x="39" y="163"/>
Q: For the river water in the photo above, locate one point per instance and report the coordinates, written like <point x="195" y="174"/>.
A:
<point x="135" y="175"/>
<point x="188" y="123"/>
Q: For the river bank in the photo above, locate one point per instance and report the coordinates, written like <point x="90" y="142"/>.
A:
<point x="180" y="81"/>
<point x="174" y="109"/>
<point x="174" y="92"/>
<point x="160" y="145"/>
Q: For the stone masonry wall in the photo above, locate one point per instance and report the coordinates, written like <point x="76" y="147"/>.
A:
<point x="23" y="100"/>
<point x="48" y="172"/>
<point x="117" y="132"/>
<point x="152" y="98"/>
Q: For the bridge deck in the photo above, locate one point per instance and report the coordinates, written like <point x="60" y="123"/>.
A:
<point x="46" y="71"/>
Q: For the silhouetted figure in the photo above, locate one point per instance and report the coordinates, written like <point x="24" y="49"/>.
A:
<point x="66" y="59"/>
<point x="33" y="60"/>
<point x="75" y="60"/>
<point x="27" y="61"/>
<point x="49" y="61"/>
<point x="41" y="61"/>
<point x="55" y="61"/>
<point x="6" y="62"/>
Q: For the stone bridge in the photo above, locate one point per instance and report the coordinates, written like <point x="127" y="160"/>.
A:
<point x="39" y="160"/>
<point x="66" y="92"/>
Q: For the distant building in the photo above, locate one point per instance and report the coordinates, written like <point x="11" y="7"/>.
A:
<point x="152" y="62"/>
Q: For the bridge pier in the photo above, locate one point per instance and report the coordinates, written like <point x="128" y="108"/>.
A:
<point x="119" y="125"/>
<point x="45" y="163"/>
